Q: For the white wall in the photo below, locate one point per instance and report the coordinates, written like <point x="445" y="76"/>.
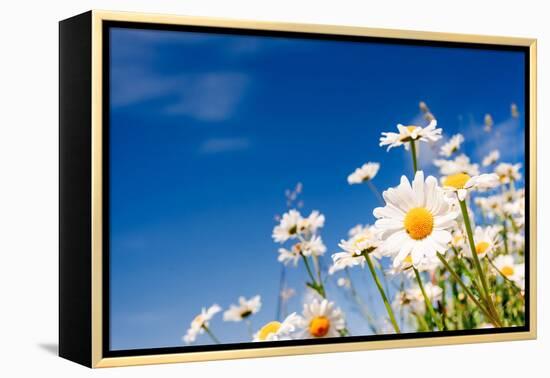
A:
<point x="28" y="184"/>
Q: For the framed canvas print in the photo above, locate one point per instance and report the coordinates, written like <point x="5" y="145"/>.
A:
<point x="234" y="189"/>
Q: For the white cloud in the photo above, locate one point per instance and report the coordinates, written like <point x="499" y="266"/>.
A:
<point x="219" y="145"/>
<point x="506" y="136"/>
<point x="210" y="96"/>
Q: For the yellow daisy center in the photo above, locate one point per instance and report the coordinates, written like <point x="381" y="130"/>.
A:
<point x="456" y="181"/>
<point x="319" y="326"/>
<point x="419" y="223"/>
<point x="408" y="259"/>
<point x="481" y="247"/>
<point x="269" y="328"/>
<point x="457" y="239"/>
<point x="359" y="240"/>
<point x="411" y="128"/>
<point x="507" y="270"/>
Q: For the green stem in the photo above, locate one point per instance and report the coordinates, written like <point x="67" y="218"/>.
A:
<point x="382" y="293"/>
<point x="468" y="291"/>
<point x="421" y="322"/>
<point x="209" y="332"/>
<point x="470" y="275"/>
<point x="309" y="272"/>
<point x="477" y="264"/>
<point x="318" y="287"/>
<point x="427" y="300"/>
<point x="413" y="153"/>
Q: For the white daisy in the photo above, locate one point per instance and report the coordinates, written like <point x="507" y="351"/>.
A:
<point x="459" y="238"/>
<point x="492" y="206"/>
<point x="460" y="164"/>
<point x="288" y="227"/>
<point x="322" y="319"/>
<point x="293" y="223"/>
<point x="287" y="293"/>
<point x="312" y="247"/>
<point x="200" y="323"/>
<point x="491" y="158"/>
<point x="287" y="256"/>
<point x="508" y="172"/>
<point x="416" y="220"/>
<point x="416" y="298"/>
<point x="452" y="145"/>
<point x="427" y="265"/>
<point x="274" y="331"/>
<point x="461" y="183"/>
<point x="364" y="241"/>
<point x="516" y="240"/>
<point x="363" y="174"/>
<point x="343" y="260"/>
<point x="407" y="134"/>
<point x="486" y="240"/>
<point x="312" y="223"/>
<point x="243" y="310"/>
<point x="343" y="282"/>
<point x="509" y="269"/>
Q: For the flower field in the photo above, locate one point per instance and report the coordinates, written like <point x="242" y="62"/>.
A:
<point x="445" y="252"/>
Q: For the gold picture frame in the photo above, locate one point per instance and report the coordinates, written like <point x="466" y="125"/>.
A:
<point x="93" y="353"/>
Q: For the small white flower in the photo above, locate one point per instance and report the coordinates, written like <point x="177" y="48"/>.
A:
<point x="491" y="158"/>
<point x="516" y="240"/>
<point x="343" y="282"/>
<point x="243" y="310"/>
<point x="407" y="134"/>
<point x="509" y="269"/>
<point x="288" y="227"/>
<point x="293" y="224"/>
<point x="452" y="145"/>
<point x="414" y="298"/>
<point x="364" y="241"/>
<point x="363" y="174"/>
<point x="287" y="293"/>
<point x="274" y="331"/>
<point x="313" y="222"/>
<point x="343" y="260"/>
<point x="427" y="265"/>
<point x="322" y="319"/>
<point x="461" y="183"/>
<point x="313" y="246"/>
<point x="459" y="238"/>
<point x="486" y="240"/>
<point x="416" y="220"/>
<point x="460" y="164"/>
<point x="289" y="256"/>
<point x="508" y="172"/>
<point x="200" y="322"/>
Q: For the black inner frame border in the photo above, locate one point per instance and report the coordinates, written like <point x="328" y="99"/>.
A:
<point x="107" y="25"/>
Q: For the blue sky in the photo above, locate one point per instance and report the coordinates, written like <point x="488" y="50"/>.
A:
<point x="208" y="130"/>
